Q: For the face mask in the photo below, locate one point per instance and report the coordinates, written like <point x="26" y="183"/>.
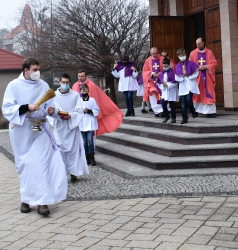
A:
<point x="64" y="87"/>
<point x="85" y="95"/>
<point x="35" y="76"/>
<point x="166" y="69"/>
<point x="182" y="58"/>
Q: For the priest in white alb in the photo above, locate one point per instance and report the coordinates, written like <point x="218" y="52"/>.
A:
<point x="39" y="164"/>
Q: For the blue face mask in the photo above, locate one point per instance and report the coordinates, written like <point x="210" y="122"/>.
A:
<point x="64" y="87"/>
<point x="166" y="69"/>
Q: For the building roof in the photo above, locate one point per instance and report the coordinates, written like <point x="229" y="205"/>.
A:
<point x="26" y="23"/>
<point x="10" y="60"/>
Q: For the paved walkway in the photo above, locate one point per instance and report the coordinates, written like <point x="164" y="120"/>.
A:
<point x="202" y="223"/>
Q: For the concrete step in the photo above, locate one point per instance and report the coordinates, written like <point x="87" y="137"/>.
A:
<point x="169" y="149"/>
<point x="157" y="161"/>
<point x="132" y="170"/>
<point x="181" y="137"/>
<point x="193" y="126"/>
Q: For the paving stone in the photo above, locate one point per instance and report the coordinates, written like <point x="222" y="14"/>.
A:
<point x="199" y="239"/>
<point x="207" y="230"/>
<point x="142" y="244"/>
<point x="224" y="237"/>
<point x="119" y="235"/>
<point x="168" y="246"/>
<point x="221" y="243"/>
<point x="196" y="247"/>
<point x="172" y="238"/>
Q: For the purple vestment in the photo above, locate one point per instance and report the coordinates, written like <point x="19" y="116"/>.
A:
<point x="128" y="70"/>
<point x="191" y="67"/>
<point x="140" y="80"/>
<point x="202" y="61"/>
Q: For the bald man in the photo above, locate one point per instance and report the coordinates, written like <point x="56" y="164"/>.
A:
<point x="205" y="103"/>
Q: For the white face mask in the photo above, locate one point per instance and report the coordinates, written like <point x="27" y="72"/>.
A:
<point x="35" y="75"/>
<point x="182" y="58"/>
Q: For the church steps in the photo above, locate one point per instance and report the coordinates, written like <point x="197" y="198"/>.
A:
<point x="133" y="170"/>
<point x="179" y="136"/>
<point x="159" y="162"/>
<point x="170" y="149"/>
<point x="193" y="125"/>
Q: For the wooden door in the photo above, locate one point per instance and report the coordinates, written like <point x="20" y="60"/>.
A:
<point x="213" y="42"/>
<point x="167" y="33"/>
<point x="193" y="6"/>
<point x="211" y="3"/>
<point x="165" y="7"/>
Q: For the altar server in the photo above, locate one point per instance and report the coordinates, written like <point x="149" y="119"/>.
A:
<point x="67" y="131"/>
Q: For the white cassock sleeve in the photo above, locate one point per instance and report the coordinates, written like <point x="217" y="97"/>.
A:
<point x="194" y="75"/>
<point x="115" y="73"/>
<point x="76" y="115"/>
<point x="179" y="78"/>
<point x="10" y="108"/>
<point x="171" y="85"/>
<point x="95" y="109"/>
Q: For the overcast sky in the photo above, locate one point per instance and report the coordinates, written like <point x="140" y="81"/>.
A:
<point x="11" y="12"/>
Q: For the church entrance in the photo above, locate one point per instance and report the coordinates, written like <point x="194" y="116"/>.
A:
<point x="173" y="32"/>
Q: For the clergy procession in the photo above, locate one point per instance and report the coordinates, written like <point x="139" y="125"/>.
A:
<point x="67" y="121"/>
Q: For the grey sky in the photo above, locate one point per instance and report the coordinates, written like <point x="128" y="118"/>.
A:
<point x="10" y="12"/>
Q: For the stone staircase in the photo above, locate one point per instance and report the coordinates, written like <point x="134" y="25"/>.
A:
<point x="150" y="143"/>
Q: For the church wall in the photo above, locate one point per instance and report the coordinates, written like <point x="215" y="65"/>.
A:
<point x="229" y="36"/>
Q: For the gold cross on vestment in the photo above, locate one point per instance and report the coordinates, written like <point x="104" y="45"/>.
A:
<point x="201" y="61"/>
<point x="156" y="66"/>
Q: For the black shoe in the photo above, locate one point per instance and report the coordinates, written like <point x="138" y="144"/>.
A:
<point x="195" y="114"/>
<point x="157" y="115"/>
<point x="128" y="113"/>
<point x="151" y="111"/>
<point x="184" y="121"/>
<point x="25" y="208"/>
<point x="166" y="119"/>
<point x="92" y="160"/>
<point x="173" y="120"/>
<point x="212" y="115"/>
<point x="73" y="178"/>
<point x="143" y="111"/>
<point x="132" y="112"/>
<point x="43" y="210"/>
<point x="161" y="114"/>
<point x="88" y="159"/>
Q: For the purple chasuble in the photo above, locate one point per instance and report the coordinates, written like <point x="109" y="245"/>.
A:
<point x="140" y="80"/>
<point x="156" y="69"/>
<point x="202" y="61"/>
<point x="171" y="76"/>
<point x="128" y="70"/>
<point x="191" y="67"/>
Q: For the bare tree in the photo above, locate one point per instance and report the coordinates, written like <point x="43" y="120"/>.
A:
<point x="94" y="34"/>
<point x="90" y="34"/>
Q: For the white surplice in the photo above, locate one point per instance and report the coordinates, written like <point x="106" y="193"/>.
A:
<point x="128" y="83"/>
<point x="169" y="92"/>
<point x="38" y="160"/>
<point x="89" y="121"/>
<point x="188" y="84"/>
<point x="67" y="132"/>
